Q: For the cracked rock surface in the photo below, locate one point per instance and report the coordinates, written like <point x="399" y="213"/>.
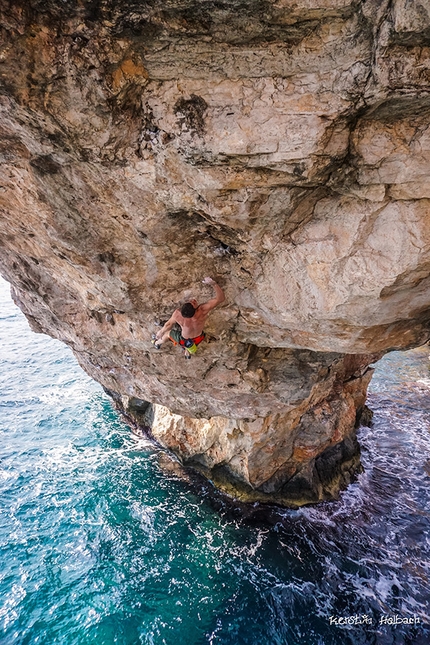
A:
<point x="282" y="147"/>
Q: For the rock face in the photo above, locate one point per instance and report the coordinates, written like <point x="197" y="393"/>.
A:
<point x="282" y="147"/>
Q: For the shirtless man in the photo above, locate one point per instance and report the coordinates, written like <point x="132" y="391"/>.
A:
<point x="191" y="317"/>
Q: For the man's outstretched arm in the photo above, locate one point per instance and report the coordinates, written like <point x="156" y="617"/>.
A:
<point x="219" y="295"/>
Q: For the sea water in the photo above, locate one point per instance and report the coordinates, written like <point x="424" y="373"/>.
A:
<point x="102" y="544"/>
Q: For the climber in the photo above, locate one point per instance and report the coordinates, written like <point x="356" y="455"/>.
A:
<point x="191" y="318"/>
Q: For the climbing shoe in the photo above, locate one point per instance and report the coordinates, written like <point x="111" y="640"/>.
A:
<point x="154" y="341"/>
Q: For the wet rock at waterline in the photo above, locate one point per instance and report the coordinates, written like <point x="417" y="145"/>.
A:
<point x="283" y="149"/>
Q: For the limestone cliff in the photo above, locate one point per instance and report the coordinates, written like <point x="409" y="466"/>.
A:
<point x="280" y="146"/>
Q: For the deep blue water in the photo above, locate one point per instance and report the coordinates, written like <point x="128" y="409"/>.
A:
<point x="102" y="544"/>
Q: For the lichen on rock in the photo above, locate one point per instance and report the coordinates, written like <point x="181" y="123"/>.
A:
<point x="282" y="147"/>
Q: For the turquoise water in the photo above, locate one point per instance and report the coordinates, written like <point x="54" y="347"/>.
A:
<point x="102" y="544"/>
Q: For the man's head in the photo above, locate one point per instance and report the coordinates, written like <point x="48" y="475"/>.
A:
<point x="189" y="309"/>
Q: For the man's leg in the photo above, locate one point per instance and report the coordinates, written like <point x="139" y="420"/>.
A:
<point x="173" y="334"/>
<point x="157" y="342"/>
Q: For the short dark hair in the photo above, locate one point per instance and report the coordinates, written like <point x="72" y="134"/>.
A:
<point x="187" y="310"/>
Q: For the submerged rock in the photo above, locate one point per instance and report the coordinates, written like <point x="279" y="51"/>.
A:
<point x="282" y="148"/>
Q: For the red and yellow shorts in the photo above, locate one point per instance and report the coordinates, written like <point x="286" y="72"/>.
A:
<point x="189" y="343"/>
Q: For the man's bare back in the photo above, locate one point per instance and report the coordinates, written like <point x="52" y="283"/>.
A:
<point x="191" y="318"/>
<point x="191" y="327"/>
